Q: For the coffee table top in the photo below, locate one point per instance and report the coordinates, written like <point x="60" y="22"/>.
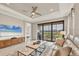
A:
<point x="26" y="51"/>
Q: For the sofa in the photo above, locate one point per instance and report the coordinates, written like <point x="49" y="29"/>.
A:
<point x="69" y="48"/>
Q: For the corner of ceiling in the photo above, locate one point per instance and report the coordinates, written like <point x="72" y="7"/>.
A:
<point x="9" y="12"/>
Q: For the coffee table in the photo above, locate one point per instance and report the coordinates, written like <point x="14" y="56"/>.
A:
<point x="30" y="48"/>
<point x="25" y="52"/>
<point x="36" y="46"/>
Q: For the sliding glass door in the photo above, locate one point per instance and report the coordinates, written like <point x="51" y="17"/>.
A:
<point x="49" y="31"/>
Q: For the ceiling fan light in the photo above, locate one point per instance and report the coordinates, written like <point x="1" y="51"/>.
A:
<point x="33" y="13"/>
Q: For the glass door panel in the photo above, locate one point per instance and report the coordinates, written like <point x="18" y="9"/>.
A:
<point x="54" y="29"/>
<point x="47" y="32"/>
<point x="57" y="27"/>
<point x="60" y="28"/>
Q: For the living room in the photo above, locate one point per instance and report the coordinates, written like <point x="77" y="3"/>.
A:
<point x="35" y="29"/>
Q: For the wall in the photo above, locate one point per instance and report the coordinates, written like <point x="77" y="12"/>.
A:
<point x="70" y="28"/>
<point x="11" y="21"/>
<point x="76" y="19"/>
<point x="74" y="31"/>
<point x="34" y="31"/>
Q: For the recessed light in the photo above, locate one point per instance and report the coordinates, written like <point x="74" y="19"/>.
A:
<point x="51" y="10"/>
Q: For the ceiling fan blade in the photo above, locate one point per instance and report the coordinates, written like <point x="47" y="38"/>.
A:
<point x="37" y="13"/>
<point x="34" y="9"/>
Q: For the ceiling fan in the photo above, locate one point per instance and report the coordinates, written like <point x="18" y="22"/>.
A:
<point x="34" y="11"/>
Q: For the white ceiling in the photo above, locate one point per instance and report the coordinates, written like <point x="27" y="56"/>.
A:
<point x="22" y="10"/>
<point x="26" y="8"/>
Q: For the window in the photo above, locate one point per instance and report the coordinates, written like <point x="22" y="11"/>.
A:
<point x="49" y="31"/>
